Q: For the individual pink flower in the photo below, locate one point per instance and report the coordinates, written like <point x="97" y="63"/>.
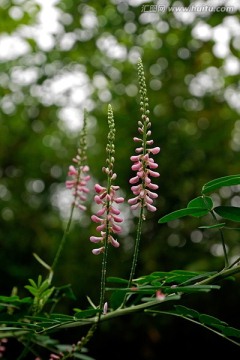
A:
<point x="105" y="308"/>
<point x="55" y="357"/>
<point x="160" y="295"/>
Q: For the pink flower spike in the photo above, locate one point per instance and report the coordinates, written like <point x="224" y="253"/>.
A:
<point x="78" y="184"/>
<point x="107" y="215"/>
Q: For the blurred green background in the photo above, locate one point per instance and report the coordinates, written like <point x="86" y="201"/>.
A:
<point x="58" y="57"/>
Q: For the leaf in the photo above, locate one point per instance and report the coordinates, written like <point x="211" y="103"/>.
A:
<point x="210" y="320"/>
<point x="219" y="327"/>
<point x="190" y="211"/>
<point x="117" y="298"/>
<point x="15" y="299"/>
<point x="42" y="262"/>
<point x="220" y="182"/>
<point x="39" y="280"/>
<point x="192" y="288"/>
<point x="61" y="317"/>
<point x="231" y="331"/>
<point x="85" y="313"/>
<point x="204" y="202"/>
<point x="65" y="290"/>
<point x="184" y="311"/>
<point x="117" y="280"/>
<point x="228" y="212"/>
<point x="32" y="282"/>
<point x="32" y="290"/>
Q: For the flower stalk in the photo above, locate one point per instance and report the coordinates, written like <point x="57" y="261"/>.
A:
<point x="107" y="217"/>
<point x="144" y="165"/>
<point x="78" y="185"/>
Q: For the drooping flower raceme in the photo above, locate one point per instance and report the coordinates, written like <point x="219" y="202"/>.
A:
<point x="108" y="215"/>
<point x="78" y="182"/>
<point x="143" y="163"/>
<point x="79" y="172"/>
<point x="142" y="187"/>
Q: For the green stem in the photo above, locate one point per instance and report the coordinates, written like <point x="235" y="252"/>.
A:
<point x="63" y="241"/>
<point x="103" y="277"/>
<point x="136" y="247"/>
<point x="220" y="275"/>
<point x="223" y="242"/>
<point x="84" y="340"/>
<point x="94" y="326"/>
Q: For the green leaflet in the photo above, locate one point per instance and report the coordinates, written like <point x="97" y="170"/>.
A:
<point x="204" y="202"/>
<point x="191" y="211"/>
<point x="220" y="182"/>
<point x="228" y="212"/>
<point x="197" y="207"/>
<point x="211" y="323"/>
<point x="81" y="314"/>
<point x="117" y="280"/>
